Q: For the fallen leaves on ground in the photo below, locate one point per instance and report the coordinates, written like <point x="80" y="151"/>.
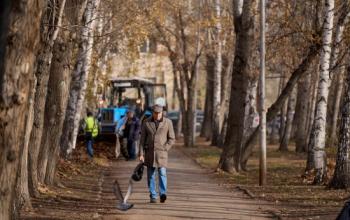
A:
<point x="287" y="183"/>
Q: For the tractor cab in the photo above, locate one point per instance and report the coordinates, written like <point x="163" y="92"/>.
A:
<point x="139" y="94"/>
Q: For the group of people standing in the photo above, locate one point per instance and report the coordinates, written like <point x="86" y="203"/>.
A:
<point x="154" y="136"/>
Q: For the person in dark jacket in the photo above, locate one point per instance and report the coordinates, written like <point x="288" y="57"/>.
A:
<point x="132" y="133"/>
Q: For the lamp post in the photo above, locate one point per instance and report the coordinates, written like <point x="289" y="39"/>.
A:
<point x="262" y="167"/>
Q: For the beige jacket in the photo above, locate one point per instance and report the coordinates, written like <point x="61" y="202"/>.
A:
<point x="155" y="143"/>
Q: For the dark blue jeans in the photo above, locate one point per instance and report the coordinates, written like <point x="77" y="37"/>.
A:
<point x="131" y="149"/>
<point x="89" y="144"/>
<point x="151" y="180"/>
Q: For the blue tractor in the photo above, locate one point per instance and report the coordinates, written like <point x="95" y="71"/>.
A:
<point x="139" y="94"/>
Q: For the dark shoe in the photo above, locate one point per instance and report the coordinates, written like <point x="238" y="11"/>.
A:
<point x="153" y="200"/>
<point x="162" y="198"/>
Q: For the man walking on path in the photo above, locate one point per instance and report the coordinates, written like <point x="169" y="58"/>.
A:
<point x="157" y="137"/>
<point x="91" y="132"/>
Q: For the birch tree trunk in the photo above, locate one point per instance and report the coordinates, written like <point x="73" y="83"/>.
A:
<point x="338" y="39"/>
<point x="341" y="177"/>
<point x="342" y="21"/>
<point x="19" y="45"/>
<point x="289" y="122"/>
<point x="42" y="73"/>
<point x="100" y="54"/>
<point x="250" y="109"/>
<point x="79" y="80"/>
<point x="217" y="78"/>
<point x="318" y="133"/>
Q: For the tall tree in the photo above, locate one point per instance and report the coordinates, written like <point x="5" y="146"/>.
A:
<point x="225" y="96"/>
<point x="50" y="25"/>
<point x="217" y="77"/>
<point x="338" y="39"/>
<point x="22" y="188"/>
<point x="289" y="122"/>
<point x="298" y="72"/>
<point x="21" y="45"/>
<point x="341" y="177"/>
<point x="318" y="133"/>
<point x="312" y="107"/>
<point x="339" y="84"/>
<point x="184" y="54"/>
<point x="206" y="130"/>
<point x="284" y="109"/>
<point x="79" y="80"/>
<point x="242" y="78"/>
<point x="56" y="101"/>
<point x="301" y="111"/>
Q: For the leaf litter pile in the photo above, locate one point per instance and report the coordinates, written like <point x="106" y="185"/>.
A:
<point x="78" y="187"/>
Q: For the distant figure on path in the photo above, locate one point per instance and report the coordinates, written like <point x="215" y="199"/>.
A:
<point x="128" y="133"/>
<point x="157" y="137"/>
<point x="132" y="133"/>
<point x="91" y="132"/>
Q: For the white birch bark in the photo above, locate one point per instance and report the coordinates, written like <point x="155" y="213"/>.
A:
<point x="338" y="38"/>
<point x="217" y="77"/>
<point x="79" y="79"/>
<point x="343" y="20"/>
<point x="250" y="110"/>
<point x="318" y="134"/>
<point x="238" y="7"/>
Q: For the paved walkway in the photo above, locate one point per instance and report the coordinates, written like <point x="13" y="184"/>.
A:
<point x="192" y="194"/>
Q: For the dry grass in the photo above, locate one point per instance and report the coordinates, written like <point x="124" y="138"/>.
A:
<point x="286" y="182"/>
